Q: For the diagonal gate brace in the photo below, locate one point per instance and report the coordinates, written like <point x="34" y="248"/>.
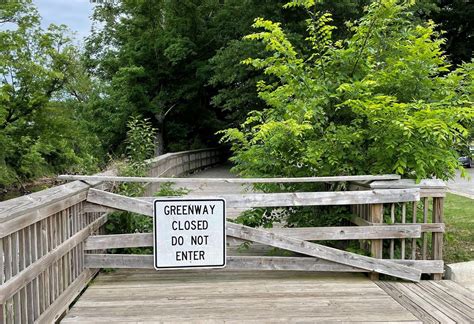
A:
<point x="261" y="236"/>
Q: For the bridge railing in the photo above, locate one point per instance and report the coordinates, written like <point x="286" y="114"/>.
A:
<point x="42" y="239"/>
<point x="368" y="202"/>
<point x="428" y="213"/>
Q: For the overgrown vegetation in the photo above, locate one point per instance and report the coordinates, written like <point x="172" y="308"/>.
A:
<point x="380" y="101"/>
<point x="39" y="128"/>
<point x="63" y="110"/>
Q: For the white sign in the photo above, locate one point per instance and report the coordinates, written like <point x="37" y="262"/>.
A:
<point x="189" y="233"/>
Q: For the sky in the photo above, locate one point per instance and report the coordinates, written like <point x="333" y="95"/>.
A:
<point x="73" y="13"/>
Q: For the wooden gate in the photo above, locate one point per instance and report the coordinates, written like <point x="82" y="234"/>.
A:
<point x="314" y="257"/>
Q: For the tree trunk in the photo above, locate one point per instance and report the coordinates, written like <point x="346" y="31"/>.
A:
<point x="159" y="138"/>
<point x="159" y="144"/>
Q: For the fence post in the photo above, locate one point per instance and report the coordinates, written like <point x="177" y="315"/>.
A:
<point x="376" y="246"/>
<point x="437" y="238"/>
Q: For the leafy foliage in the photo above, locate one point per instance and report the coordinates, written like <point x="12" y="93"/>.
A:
<point x="39" y="129"/>
<point x="140" y="146"/>
<point x="379" y="101"/>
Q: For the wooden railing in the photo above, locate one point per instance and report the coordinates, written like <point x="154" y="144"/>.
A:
<point x="367" y="203"/>
<point x="427" y="213"/>
<point x="42" y="239"/>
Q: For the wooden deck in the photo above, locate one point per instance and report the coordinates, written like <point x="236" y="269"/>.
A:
<point x="138" y="296"/>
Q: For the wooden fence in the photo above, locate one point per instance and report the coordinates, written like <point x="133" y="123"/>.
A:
<point x="368" y="205"/>
<point x="42" y="237"/>
<point x="52" y="243"/>
<point x="426" y="214"/>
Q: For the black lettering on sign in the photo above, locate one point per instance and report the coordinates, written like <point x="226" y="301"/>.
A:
<point x="189" y="209"/>
<point x="190" y="255"/>
<point x="199" y="239"/>
<point x="177" y="240"/>
<point x="194" y="225"/>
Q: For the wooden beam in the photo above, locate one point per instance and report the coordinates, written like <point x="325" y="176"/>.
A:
<point x="437" y="238"/>
<point x="409" y="183"/>
<point x="276" y="240"/>
<point x="132" y="261"/>
<point x="376" y="246"/>
<point x="323" y="252"/>
<point x="14" y="284"/>
<point x="425" y="227"/>
<point x="292" y="199"/>
<point x="231" y="180"/>
<point x="115" y="241"/>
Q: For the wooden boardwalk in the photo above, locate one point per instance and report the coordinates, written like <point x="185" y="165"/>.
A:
<point x="147" y="296"/>
<point x="136" y="296"/>
<point x="215" y="296"/>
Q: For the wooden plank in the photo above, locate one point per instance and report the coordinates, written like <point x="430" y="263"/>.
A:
<point x="312" y="198"/>
<point x="441" y="304"/>
<point x="402" y="245"/>
<point x="376" y="246"/>
<point x="116" y="241"/>
<point x="437" y="238"/>
<point x="220" y="296"/>
<point x="19" y="280"/>
<point x="276" y="240"/>
<point x="296" y="198"/>
<point x="392" y="242"/>
<point x="406" y="301"/>
<point x="428" y="227"/>
<point x="409" y="183"/>
<point x="30" y="203"/>
<point x="257" y="263"/>
<point x="459" y="292"/>
<point x="60" y="305"/>
<point x="231" y="180"/>
<point x="233" y="263"/>
<point x="320" y="251"/>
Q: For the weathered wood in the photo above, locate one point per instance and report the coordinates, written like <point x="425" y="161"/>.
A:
<point x="19" y="280"/>
<point x="376" y="246"/>
<point x="409" y="183"/>
<point x="424" y="237"/>
<point x="320" y="251"/>
<point x="413" y="240"/>
<point x="331" y="198"/>
<point x="428" y="227"/>
<point x="405" y="301"/>
<point x="33" y="215"/>
<point x="437" y="238"/>
<point x="430" y="303"/>
<point x="260" y="236"/>
<point x="60" y="305"/>
<point x="116" y="241"/>
<point x="232" y="180"/>
<point x="402" y="243"/>
<point x="256" y="263"/>
<point x="392" y="242"/>
<point x="277" y="199"/>
<point x="235" y="297"/>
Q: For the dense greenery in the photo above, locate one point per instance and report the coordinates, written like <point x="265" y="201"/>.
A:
<point x="323" y="100"/>
<point x="38" y="124"/>
<point x="379" y="101"/>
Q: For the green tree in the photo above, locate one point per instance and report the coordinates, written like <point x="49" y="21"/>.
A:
<point x="39" y="131"/>
<point x="379" y="101"/>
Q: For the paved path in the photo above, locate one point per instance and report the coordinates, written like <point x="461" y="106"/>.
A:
<point x="462" y="186"/>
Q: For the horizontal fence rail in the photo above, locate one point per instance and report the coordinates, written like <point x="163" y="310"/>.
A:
<point x="233" y="180"/>
<point x="42" y="237"/>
